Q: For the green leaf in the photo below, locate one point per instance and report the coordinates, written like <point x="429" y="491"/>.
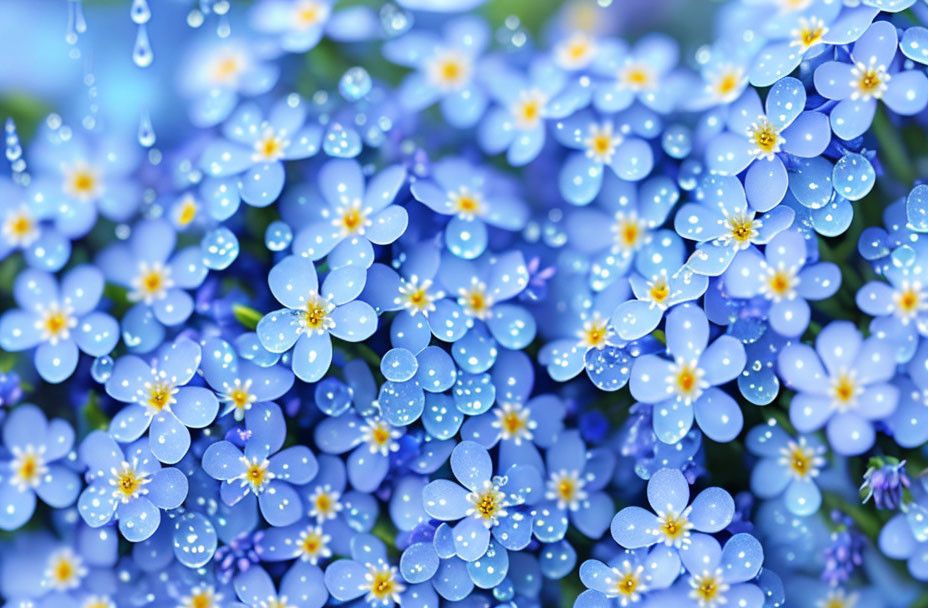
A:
<point x="246" y="315"/>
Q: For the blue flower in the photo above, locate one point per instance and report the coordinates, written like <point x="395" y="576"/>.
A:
<point x="369" y="573"/>
<point x="157" y="397"/>
<point x="35" y="465"/>
<point x="311" y="318"/>
<point x="635" y="319"/>
<point x="474" y="196"/>
<point x="302" y="584"/>
<point x="900" y="307"/>
<point x="870" y="76"/>
<point x="517" y="124"/>
<point x="248" y="165"/>
<point x="483" y="504"/>
<point x="574" y="492"/>
<point x="241" y="383"/>
<point x="804" y="34"/>
<point x="720" y="575"/>
<point x="634" y="215"/>
<point x="676" y="523"/>
<point x="686" y="386"/>
<point x="351" y="217"/>
<point x="371" y="440"/>
<point x="58" y="321"/>
<point x="156" y="280"/>
<point x="781" y="275"/>
<point x="446" y="69"/>
<point x="787" y="466"/>
<point x="757" y="137"/>
<point x="629" y="578"/>
<point x="724" y="226"/>
<point x="217" y="71"/>
<point x="83" y="175"/>
<point x="849" y="393"/>
<point x="643" y="73"/>
<point x="905" y="537"/>
<point x="299" y="24"/>
<point x="600" y="144"/>
<point x="261" y="471"/>
<point x="129" y="485"/>
<point x="30" y="223"/>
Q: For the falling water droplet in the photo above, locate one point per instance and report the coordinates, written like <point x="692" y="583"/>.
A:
<point x="142" y="54"/>
<point x="278" y="236"/>
<point x="146" y="130"/>
<point x="140" y="12"/>
<point x="102" y="368"/>
<point x="355" y="84"/>
<point x="341" y="142"/>
<point x="14" y="153"/>
<point x="220" y="248"/>
<point x="224" y="28"/>
<point x="395" y="21"/>
<point x="195" y="18"/>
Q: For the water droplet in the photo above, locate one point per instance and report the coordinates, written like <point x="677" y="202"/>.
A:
<point x="395" y="21"/>
<point x="195" y="18"/>
<point x="333" y="397"/>
<point x="102" y="368"/>
<point x="341" y="142"/>
<point x="142" y="54"/>
<point x="14" y="153"/>
<point x="146" y="131"/>
<point x="140" y="12"/>
<point x="278" y="236"/>
<point x="76" y="23"/>
<point x="220" y="248"/>
<point x="355" y="84"/>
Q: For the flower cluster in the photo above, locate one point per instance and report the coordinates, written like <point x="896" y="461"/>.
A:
<point x="428" y="304"/>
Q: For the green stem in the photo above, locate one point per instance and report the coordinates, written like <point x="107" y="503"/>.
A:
<point x="865" y="520"/>
<point x="892" y="151"/>
<point x="246" y="315"/>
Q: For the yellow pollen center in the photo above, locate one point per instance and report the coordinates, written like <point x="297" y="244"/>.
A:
<point x="256" y="474"/>
<point x="352" y="219"/>
<point x="487" y="506"/>
<point x="468" y="204"/>
<point x="674" y="527"/>
<point x="240" y="397"/>
<point x="129" y="483"/>
<point x="908" y="300"/>
<point x="477" y="301"/>
<point x="56" y="322"/>
<point x="323" y="503"/>
<point x="29" y="467"/>
<point x="844" y="389"/>
<point x="419" y="297"/>
<point x="159" y="396"/>
<point x="659" y="291"/>
<point x="513" y="423"/>
<point x="577" y="49"/>
<point x="63" y="571"/>
<point x="311" y="544"/>
<point x="21" y="225"/>
<point x="870" y="81"/>
<point x="780" y="283"/>
<point x="707" y="589"/>
<point x="201" y="600"/>
<point x="810" y="36"/>
<point x="152" y="281"/>
<point x="380" y="436"/>
<point x="799" y="462"/>
<point x="742" y="228"/>
<point x="450" y="70"/>
<point x="315" y="315"/>
<point x="188" y="212"/>
<point x="271" y="147"/>
<point x="602" y="144"/>
<point x="629" y="233"/>
<point x="727" y="84"/>
<point x="686" y="380"/>
<point x="83" y="182"/>
<point x="766" y="138"/>
<point x="627" y="584"/>
<point x="566" y="488"/>
<point x="596" y="335"/>
<point x="227" y="67"/>
<point x="383" y="586"/>
<point x="529" y="111"/>
<point x="637" y="77"/>
<point x="309" y="15"/>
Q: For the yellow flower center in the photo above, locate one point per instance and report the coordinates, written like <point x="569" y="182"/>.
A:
<point x="809" y="33"/>
<point x="312" y="543"/>
<point x="83" y="182"/>
<point x="627" y="585"/>
<point x="315" y="315"/>
<point x="707" y="588"/>
<point x="201" y="600"/>
<point x="240" y="397"/>
<point x="310" y="13"/>
<point x="270" y="147"/>
<point x="637" y="77"/>
<point x="781" y="282"/>
<point x="353" y="219"/>
<point x="528" y="109"/>
<point x="255" y="476"/>
<point x="56" y="322"/>
<point x="766" y="138"/>
<point x="512" y="422"/>
<point x="187" y="211"/>
<point x="659" y="291"/>
<point x="160" y="395"/>
<point x="628" y="232"/>
<point x="20" y="224"/>
<point x="674" y="529"/>
<point x="741" y="228"/>
<point x="595" y="332"/>
<point x="226" y="69"/>
<point x="727" y="83"/>
<point x="487" y="505"/>
<point x="324" y="503"/>
<point x="467" y="203"/>
<point x="844" y="390"/>
<point x="129" y="483"/>
<point x="870" y="81"/>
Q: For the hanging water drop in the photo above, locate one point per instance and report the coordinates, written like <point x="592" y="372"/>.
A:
<point x="355" y="84"/>
<point x="146" y="130"/>
<point x="142" y="54"/>
<point x="76" y="23"/>
<point x="195" y="18"/>
<point x="14" y="153"/>
<point x="140" y="12"/>
<point x="395" y="21"/>
<point x="220" y="248"/>
<point x="102" y="368"/>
